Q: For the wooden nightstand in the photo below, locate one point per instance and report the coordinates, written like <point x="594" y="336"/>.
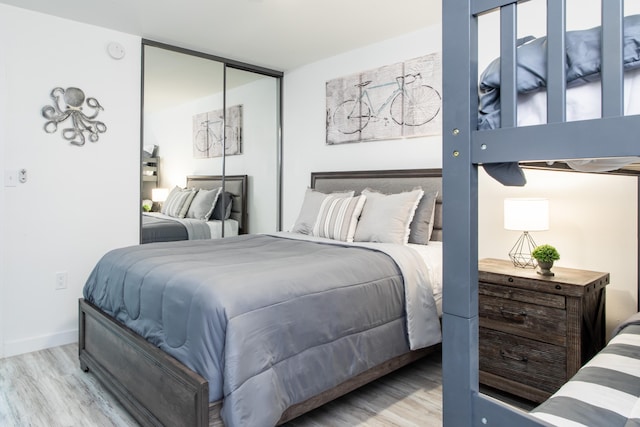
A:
<point x="537" y="331"/>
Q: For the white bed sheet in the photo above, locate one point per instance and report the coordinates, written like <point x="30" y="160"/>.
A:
<point x="432" y="256"/>
<point x="230" y="228"/>
<point x="583" y="103"/>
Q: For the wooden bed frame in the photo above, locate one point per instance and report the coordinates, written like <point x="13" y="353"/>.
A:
<point x="159" y="390"/>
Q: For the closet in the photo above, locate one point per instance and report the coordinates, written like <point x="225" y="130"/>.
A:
<point x="191" y="103"/>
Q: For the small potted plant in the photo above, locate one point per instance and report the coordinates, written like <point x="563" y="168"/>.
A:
<point x="545" y="255"/>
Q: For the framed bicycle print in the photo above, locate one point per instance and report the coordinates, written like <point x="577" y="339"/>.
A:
<point x="395" y="101"/>
<point x="208" y="135"/>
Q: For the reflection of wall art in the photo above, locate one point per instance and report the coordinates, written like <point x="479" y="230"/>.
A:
<point x="68" y="103"/>
<point x="207" y="133"/>
<point x="396" y="101"/>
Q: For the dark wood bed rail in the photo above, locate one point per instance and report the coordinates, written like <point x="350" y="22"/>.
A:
<point x="159" y="391"/>
<point x="153" y="386"/>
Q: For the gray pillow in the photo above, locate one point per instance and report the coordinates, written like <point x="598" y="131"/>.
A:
<point x="422" y="224"/>
<point x="311" y="207"/>
<point x="202" y="204"/>
<point x="385" y="218"/>
<point x="222" y="209"/>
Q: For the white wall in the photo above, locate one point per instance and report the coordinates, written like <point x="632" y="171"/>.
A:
<point x="78" y="202"/>
<point x="304" y="114"/>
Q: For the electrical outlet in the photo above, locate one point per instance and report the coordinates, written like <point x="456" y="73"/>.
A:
<point x="61" y="280"/>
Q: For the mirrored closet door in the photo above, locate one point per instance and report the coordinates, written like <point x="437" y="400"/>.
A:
<point x="209" y="122"/>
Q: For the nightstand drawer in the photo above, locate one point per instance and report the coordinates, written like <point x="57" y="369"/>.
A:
<point x="511" y="315"/>
<point x="526" y="361"/>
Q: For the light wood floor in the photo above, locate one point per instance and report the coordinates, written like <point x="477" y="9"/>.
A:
<point x="47" y="388"/>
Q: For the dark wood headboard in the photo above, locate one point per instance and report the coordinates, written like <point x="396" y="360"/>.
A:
<point x="234" y="184"/>
<point x="386" y="181"/>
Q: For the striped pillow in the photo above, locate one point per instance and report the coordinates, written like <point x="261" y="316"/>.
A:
<point x="178" y="202"/>
<point x="338" y="217"/>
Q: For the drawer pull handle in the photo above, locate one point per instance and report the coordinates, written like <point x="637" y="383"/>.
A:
<point x="508" y="355"/>
<point x="519" y="316"/>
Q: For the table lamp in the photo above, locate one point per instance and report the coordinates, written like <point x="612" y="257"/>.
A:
<point x="525" y="214"/>
<point x="158" y="196"/>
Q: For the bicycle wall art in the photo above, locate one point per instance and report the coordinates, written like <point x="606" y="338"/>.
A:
<point x="207" y="133"/>
<point x="402" y="100"/>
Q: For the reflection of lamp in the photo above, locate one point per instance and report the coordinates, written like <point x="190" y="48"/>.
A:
<point x="525" y="215"/>
<point x="158" y="196"/>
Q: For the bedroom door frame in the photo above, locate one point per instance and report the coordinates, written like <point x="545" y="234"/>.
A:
<point x="228" y="64"/>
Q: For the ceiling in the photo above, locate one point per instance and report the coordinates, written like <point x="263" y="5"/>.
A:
<point x="276" y="34"/>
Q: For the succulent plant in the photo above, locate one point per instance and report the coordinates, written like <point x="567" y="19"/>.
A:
<point x="545" y="253"/>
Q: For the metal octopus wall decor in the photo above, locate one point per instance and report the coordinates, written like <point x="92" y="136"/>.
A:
<point x="68" y="103"/>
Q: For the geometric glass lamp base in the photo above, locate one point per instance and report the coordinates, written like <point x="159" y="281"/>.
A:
<point x="520" y="253"/>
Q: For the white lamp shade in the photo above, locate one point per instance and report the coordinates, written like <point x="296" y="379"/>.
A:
<point x="159" y="194"/>
<point x="526" y="214"/>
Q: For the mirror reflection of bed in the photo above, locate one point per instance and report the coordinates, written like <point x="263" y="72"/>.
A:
<point x="205" y="211"/>
<point x="184" y="91"/>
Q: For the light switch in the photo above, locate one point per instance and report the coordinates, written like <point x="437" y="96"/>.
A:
<point x="10" y="178"/>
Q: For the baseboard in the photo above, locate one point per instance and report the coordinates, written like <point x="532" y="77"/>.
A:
<point x="27" y="345"/>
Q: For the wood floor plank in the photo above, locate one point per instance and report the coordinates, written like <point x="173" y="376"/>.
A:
<point x="47" y="388"/>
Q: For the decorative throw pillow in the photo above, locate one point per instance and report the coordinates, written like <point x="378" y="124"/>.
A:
<point x="222" y="209"/>
<point x="170" y="200"/>
<point x="338" y="217"/>
<point x="202" y="204"/>
<point x="178" y="202"/>
<point x="310" y="208"/>
<point x="386" y="217"/>
<point x="422" y="224"/>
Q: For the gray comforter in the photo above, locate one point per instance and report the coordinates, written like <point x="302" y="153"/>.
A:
<point x="583" y="65"/>
<point x="269" y="321"/>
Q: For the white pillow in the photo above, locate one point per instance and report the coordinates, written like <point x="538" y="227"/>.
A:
<point x="310" y="208"/>
<point x="202" y="204"/>
<point x="338" y="217"/>
<point x="386" y="217"/>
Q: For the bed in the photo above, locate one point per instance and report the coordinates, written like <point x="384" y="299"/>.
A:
<point x="466" y="147"/>
<point x="606" y="390"/>
<point x="260" y="297"/>
<point x="229" y="212"/>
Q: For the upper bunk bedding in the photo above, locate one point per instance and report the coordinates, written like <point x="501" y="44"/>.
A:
<point x="252" y="313"/>
<point x="583" y="95"/>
